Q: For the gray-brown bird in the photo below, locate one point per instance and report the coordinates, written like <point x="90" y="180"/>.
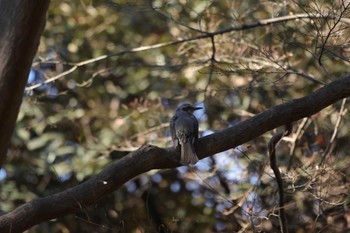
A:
<point x="184" y="132"/>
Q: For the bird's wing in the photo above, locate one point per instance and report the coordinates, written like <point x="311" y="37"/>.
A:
<point x="172" y="128"/>
<point x="184" y="129"/>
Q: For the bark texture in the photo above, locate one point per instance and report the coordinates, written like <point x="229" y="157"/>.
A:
<point x="21" y="24"/>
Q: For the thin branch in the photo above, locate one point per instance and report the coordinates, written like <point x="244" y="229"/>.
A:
<point x="337" y="21"/>
<point x="298" y="134"/>
<point x="340" y="115"/>
<point x="169" y="17"/>
<point x="52" y="79"/>
<point x="306" y="76"/>
<point x="205" y="35"/>
<point x="332" y="143"/>
<point x="212" y="62"/>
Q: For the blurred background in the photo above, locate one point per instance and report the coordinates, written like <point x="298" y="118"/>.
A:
<point x="104" y="97"/>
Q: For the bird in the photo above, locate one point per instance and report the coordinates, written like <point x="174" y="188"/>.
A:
<point x="184" y="132"/>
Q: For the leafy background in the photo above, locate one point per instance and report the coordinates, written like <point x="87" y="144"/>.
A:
<point x="71" y="128"/>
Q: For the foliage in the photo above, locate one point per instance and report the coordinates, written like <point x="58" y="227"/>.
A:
<point x="70" y="129"/>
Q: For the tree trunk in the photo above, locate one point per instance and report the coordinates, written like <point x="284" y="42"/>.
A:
<point x="21" y="24"/>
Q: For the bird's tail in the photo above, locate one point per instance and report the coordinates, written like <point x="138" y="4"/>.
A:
<point x="188" y="154"/>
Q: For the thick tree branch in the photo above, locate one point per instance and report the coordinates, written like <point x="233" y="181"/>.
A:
<point x="21" y="24"/>
<point x="151" y="157"/>
<point x="277" y="116"/>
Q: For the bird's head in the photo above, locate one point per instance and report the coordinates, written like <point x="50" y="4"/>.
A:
<point x="189" y="108"/>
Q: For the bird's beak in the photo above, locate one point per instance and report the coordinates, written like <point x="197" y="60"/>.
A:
<point x="197" y="108"/>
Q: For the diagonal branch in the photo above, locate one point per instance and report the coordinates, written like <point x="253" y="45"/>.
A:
<point x="151" y="157"/>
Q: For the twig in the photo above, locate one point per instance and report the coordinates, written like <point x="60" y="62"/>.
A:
<point x="331" y="144"/>
<point x="337" y="21"/>
<point x="298" y="134"/>
<point x="171" y="18"/>
<point x="212" y="62"/>
<point x="204" y="35"/>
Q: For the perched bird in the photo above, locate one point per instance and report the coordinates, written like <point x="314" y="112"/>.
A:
<point x="184" y="132"/>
